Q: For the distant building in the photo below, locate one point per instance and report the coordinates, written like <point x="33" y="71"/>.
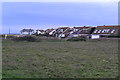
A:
<point x="66" y="33"/>
<point x="27" y="31"/>
<point x="82" y="31"/>
<point x="59" y="31"/>
<point x="50" y="31"/>
<point x="40" y="32"/>
<point x="106" y="31"/>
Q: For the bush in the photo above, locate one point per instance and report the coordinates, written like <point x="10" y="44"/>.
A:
<point x="76" y="39"/>
<point x="8" y="36"/>
<point x="25" y="38"/>
<point x="50" y="39"/>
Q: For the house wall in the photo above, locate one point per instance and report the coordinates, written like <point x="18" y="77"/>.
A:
<point x="38" y="32"/>
<point x="25" y="33"/>
<point x="75" y="35"/>
<point x="62" y="35"/>
<point x="95" y="36"/>
<point x="51" y="33"/>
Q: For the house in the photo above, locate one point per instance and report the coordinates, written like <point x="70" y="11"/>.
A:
<point x="106" y="31"/>
<point x="27" y="32"/>
<point x="40" y="32"/>
<point x="66" y="33"/>
<point x="58" y="32"/>
<point x="50" y="31"/>
<point x="82" y="31"/>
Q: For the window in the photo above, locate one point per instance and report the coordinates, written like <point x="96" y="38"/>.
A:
<point x="61" y="30"/>
<point x="71" y="32"/>
<point x="113" y="31"/>
<point x="95" y="31"/>
<point x="105" y="30"/>
<point x="76" y="29"/>
<point x="99" y="31"/>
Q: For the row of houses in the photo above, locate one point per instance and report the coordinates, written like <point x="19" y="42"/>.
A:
<point x="67" y="32"/>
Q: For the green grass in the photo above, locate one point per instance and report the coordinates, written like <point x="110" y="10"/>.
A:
<point x="64" y="59"/>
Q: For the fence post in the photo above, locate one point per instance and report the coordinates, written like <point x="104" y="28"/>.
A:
<point x="5" y="36"/>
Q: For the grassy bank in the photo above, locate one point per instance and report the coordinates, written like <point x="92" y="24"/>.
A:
<point x="64" y="59"/>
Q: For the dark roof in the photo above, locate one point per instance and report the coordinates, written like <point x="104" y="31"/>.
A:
<point x="40" y="30"/>
<point x="63" y="27"/>
<point x="81" y="27"/>
<point x="27" y="30"/>
<point x="49" y="30"/>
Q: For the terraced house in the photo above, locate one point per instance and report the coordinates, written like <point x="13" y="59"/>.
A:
<point x="59" y="32"/>
<point x="82" y="31"/>
<point x="106" y="31"/>
<point x="85" y="31"/>
<point x="66" y="33"/>
<point x="40" y="32"/>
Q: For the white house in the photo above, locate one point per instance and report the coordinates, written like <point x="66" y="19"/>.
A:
<point x="27" y="31"/>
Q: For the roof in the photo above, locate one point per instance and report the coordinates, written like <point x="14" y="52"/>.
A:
<point x="27" y="30"/>
<point x="49" y="30"/>
<point x="63" y="27"/>
<point x="67" y="31"/>
<point x="82" y="30"/>
<point x="109" y="26"/>
<point x="40" y="30"/>
<point x="107" y="30"/>
<point x="58" y="30"/>
<point x="81" y="27"/>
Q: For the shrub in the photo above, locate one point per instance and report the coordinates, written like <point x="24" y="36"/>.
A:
<point x="8" y="36"/>
<point x="77" y="39"/>
<point x="51" y="39"/>
<point x="25" y="38"/>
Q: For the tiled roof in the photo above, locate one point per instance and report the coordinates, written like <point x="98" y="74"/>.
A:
<point x="107" y="30"/>
<point x="49" y="30"/>
<point x="67" y="31"/>
<point x="82" y="30"/>
<point x="63" y="27"/>
<point x="109" y="26"/>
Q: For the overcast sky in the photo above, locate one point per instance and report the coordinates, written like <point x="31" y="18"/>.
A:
<point x="43" y="15"/>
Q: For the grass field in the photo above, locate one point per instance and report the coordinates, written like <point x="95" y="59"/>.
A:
<point x="64" y="59"/>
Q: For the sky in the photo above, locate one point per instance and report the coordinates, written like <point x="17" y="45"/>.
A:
<point x="43" y="15"/>
<point x="59" y="0"/>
